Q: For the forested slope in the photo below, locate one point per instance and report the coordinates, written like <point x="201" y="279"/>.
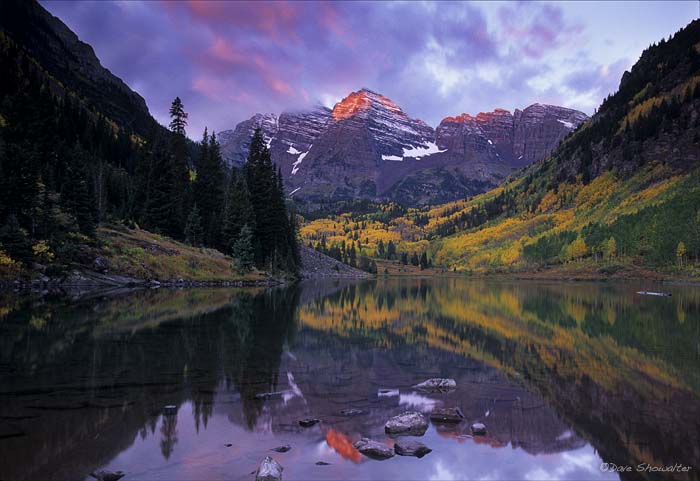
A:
<point x="623" y="189"/>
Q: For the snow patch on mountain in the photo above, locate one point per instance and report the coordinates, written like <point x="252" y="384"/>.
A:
<point x="569" y="125"/>
<point x="293" y="151"/>
<point x="429" y="148"/>
<point x="297" y="163"/>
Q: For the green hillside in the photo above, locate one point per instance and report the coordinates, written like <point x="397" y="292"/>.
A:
<point x="622" y="190"/>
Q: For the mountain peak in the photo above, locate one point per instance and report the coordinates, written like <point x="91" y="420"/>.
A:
<point x="362" y="101"/>
<point x="480" y="117"/>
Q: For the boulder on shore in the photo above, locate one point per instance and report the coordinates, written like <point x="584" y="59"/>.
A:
<point x="411" y="448"/>
<point x="437" y="384"/>
<point x="374" y="449"/>
<point x="447" y="415"/>
<point x="410" y="423"/>
<point x="269" y="470"/>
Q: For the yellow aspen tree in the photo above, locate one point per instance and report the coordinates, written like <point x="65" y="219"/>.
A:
<point x="680" y="254"/>
<point x="610" y="249"/>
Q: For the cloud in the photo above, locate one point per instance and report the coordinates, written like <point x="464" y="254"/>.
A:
<point x="533" y="29"/>
<point x="229" y="60"/>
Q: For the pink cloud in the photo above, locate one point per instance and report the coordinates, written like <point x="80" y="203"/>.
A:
<point x="533" y="31"/>
<point x="223" y="49"/>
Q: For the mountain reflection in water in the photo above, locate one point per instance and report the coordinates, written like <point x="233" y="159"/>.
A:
<point x="566" y="377"/>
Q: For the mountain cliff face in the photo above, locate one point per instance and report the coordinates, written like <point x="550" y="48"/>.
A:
<point x="73" y="63"/>
<point x="367" y="147"/>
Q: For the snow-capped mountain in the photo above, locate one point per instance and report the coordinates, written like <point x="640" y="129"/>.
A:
<point x="367" y="147"/>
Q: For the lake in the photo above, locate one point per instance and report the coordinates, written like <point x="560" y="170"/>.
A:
<point x="566" y="377"/>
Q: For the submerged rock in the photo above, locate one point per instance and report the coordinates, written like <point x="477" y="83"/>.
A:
<point x="322" y="463"/>
<point x="263" y="396"/>
<point x="374" y="449"/>
<point x="478" y="428"/>
<point x="409" y="423"/>
<point x="282" y="449"/>
<point x="308" y="422"/>
<point x="411" y="448"/>
<point x="103" y="475"/>
<point x="437" y="384"/>
<point x="446" y="415"/>
<point x="269" y="470"/>
<point x="351" y="412"/>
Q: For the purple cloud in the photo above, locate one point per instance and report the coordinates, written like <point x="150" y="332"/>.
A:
<point x="228" y="60"/>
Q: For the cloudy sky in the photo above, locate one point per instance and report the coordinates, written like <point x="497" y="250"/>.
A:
<point x="228" y="60"/>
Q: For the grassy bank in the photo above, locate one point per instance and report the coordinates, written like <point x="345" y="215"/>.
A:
<point x="139" y="254"/>
<point x="144" y="255"/>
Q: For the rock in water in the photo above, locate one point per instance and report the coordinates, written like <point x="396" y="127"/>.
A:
<point x="322" y="463"/>
<point x="264" y="396"/>
<point x="411" y="448"/>
<point x="308" y="422"/>
<point x="107" y="475"/>
<point x="437" y="385"/>
<point x="446" y="415"/>
<point x="269" y="470"/>
<point x="374" y="449"/>
<point x="479" y="428"/>
<point x="351" y="412"/>
<point x="410" y="423"/>
<point x="282" y="449"/>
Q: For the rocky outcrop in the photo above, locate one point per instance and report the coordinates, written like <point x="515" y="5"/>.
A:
<point x="539" y="128"/>
<point x="317" y="265"/>
<point x="236" y="143"/>
<point x="289" y="137"/>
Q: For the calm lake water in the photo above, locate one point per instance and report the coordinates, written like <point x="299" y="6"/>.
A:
<point x="566" y="376"/>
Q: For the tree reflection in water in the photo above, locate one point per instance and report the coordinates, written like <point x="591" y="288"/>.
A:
<point x="555" y="367"/>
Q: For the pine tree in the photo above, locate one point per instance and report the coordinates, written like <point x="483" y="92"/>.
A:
<point x="161" y="206"/>
<point x="391" y="251"/>
<point x="76" y="195"/>
<point x="193" y="227"/>
<point x="243" y="249"/>
<point x="178" y="117"/>
<point x="415" y="261"/>
<point x="238" y="212"/>
<point x="274" y="237"/>
<point x="209" y="188"/>
<point x="178" y="168"/>
<point x="423" y="261"/>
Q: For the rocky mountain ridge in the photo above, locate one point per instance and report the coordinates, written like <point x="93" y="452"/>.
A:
<point x="367" y="147"/>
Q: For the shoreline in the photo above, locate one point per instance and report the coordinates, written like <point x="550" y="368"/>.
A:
<point x="86" y="280"/>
